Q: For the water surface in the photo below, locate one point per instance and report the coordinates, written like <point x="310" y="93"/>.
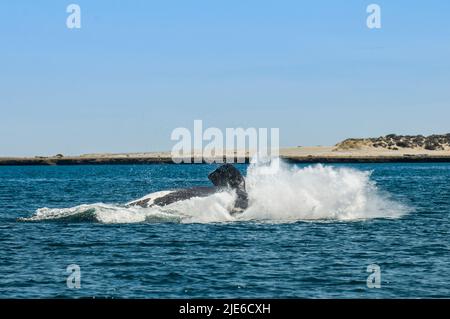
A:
<point x="316" y="244"/>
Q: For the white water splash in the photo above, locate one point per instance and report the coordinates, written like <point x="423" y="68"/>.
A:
<point x="288" y="193"/>
<point x="277" y="193"/>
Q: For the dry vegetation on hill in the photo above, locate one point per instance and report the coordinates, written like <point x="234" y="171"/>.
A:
<point x="396" y="142"/>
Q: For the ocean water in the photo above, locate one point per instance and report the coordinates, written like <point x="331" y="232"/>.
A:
<point x="310" y="231"/>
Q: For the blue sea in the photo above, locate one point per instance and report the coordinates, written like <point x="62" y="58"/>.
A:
<point x="311" y="231"/>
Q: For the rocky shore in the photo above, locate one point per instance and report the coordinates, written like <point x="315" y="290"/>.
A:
<point x="396" y="142"/>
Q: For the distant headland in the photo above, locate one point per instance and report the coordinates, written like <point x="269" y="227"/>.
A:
<point x="397" y="142"/>
<point x="384" y="149"/>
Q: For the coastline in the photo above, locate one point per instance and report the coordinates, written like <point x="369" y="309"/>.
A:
<point x="317" y="154"/>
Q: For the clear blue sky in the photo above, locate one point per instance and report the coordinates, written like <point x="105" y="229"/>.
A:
<point x="138" y="69"/>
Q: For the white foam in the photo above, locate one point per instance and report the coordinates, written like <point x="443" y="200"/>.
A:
<point x="213" y="208"/>
<point x="277" y="193"/>
<point x="287" y="193"/>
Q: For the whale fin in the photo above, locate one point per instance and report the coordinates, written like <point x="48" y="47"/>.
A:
<point x="227" y="176"/>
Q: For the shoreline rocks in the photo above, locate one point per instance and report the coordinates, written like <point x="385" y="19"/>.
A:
<point x="395" y="142"/>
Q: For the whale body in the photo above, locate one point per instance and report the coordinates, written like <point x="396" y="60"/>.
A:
<point x="225" y="177"/>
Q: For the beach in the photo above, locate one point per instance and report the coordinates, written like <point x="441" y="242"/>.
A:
<point x="306" y="154"/>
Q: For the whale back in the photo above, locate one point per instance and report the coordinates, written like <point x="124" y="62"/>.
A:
<point x="226" y="176"/>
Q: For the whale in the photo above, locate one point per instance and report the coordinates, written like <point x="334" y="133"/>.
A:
<point x="224" y="178"/>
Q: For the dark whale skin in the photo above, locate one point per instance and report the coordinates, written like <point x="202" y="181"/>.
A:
<point x="224" y="178"/>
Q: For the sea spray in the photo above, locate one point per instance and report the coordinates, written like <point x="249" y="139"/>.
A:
<point x="281" y="192"/>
